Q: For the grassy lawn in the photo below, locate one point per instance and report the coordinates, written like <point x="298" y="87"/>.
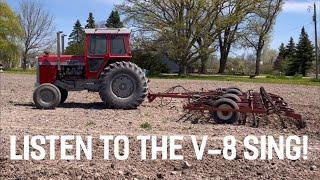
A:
<point x="20" y="71"/>
<point x="262" y="79"/>
<point x="266" y="79"/>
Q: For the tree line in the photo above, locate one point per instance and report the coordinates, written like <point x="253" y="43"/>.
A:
<point x="189" y="31"/>
<point x="296" y="59"/>
<point x="77" y="36"/>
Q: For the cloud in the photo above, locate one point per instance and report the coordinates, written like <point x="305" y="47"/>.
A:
<point x="297" y="7"/>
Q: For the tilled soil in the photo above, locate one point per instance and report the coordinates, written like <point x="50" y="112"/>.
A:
<point x="84" y="115"/>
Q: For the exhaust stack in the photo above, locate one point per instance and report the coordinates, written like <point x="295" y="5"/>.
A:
<point x="62" y="43"/>
<point x="59" y="49"/>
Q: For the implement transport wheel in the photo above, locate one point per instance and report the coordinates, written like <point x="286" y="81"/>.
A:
<point x="233" y="97"/>
<point x="225" y="117"/>
<point x="234" y="91"/>
<point x="47" y="96"/>
<point x="64" y="95"/>
<point x="234" y="87"/>
<point x="123" y="86"/>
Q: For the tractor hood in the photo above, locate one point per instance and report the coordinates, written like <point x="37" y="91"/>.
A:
<point x="52" y="60"/>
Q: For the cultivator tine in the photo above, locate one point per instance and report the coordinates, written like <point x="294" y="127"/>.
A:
<point x="243" y="119"/>
<point x="182" y="117"/>
<point x="256" y="121"/>
<point x="283" y="124"/>
<point x="267" y="120"/>
<point x="300" y="124"/>
<point x="186" y="117"/>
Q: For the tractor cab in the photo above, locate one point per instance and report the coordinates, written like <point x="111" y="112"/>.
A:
<point x="105" y="46"/>
<point x="105" y="67"/>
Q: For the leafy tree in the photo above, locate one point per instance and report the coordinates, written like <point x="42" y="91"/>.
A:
<point x="150" y="61"/>
<point x="10" y="33"/>
<point x="75" y="49"/>
<point x="260" y="25"/>
<point x="235" y="13"/>
<point x="186" y="28"/>
<point x="38" y="26"/>
<point x="305" y="53"/>
<point x="76" y="40"/>
<point x="114" y="20"/>
<point x="90" y="21"/>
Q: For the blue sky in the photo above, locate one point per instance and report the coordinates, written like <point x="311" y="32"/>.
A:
<point x="295" y="14"/>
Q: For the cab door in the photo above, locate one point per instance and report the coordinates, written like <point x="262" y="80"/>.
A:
<point x="97" y="55"/>
<point x="120" y="46"/>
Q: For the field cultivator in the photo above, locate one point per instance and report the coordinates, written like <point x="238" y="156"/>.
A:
<point x="230" y="105"/>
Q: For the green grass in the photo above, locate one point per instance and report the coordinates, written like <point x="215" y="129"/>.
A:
<point x="265" y="79"/>
<point x="146" y="126"/>
<point x="20" y="71"/>
<point x="90" y="123"/>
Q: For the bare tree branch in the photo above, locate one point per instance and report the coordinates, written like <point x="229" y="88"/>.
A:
<point x="38" y="26"/>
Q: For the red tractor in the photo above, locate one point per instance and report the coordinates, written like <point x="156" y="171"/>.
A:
<point x="104" y="68"/>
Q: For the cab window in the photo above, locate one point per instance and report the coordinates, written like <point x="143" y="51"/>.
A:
<point x="117" y="43"/>
<point x="98" y="45"/>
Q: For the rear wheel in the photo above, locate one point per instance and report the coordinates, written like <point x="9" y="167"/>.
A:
<point x="47" y="96"/>
<point x="225" y="117"/>
<point x="64" y="95"/>
<point x="124" y="86"/>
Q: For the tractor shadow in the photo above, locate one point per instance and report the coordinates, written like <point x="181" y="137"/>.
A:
<point x="96" y="106"/>
<point x="71" y="105"/>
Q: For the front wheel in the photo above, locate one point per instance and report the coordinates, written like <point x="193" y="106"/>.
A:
<point x="123" y="86"/>
<point x="47" y="96"/>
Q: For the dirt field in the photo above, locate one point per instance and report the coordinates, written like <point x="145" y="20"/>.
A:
<point x="83" y="114"/>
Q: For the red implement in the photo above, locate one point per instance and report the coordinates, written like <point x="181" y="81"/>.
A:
<point x="226" y="105"/>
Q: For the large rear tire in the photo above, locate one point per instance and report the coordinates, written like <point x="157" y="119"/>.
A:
<point x="123" y="86"/>
<point x="47" y="96"/>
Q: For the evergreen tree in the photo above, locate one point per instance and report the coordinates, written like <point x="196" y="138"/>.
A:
<point x="280" y="62"/>
<point x="305" y="53"/>
<point x="114" y="20"/>
<point x="77" y="34"/>
<point x="90" y="21"/>
<point x="290" y="54"/>
<point x="290" y="48"/>
<point x="282" y="51"/>
<point x="76" y="40"/>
